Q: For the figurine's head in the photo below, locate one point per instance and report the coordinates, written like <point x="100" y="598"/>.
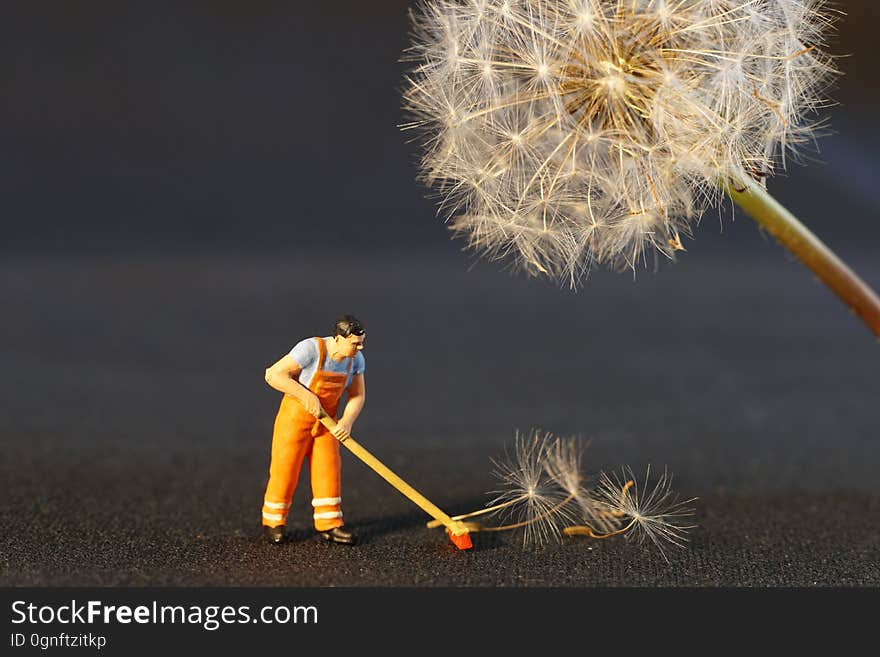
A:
<point x="349" y="335"/>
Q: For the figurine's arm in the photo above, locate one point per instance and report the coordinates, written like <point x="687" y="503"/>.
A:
<point x="283" y="377"/>
<point x="357" y="395"/>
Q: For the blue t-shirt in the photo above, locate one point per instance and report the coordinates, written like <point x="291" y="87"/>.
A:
<point x="305" y="353"/>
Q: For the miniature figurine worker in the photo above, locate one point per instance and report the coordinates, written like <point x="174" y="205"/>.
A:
<point x="313" y="375"/>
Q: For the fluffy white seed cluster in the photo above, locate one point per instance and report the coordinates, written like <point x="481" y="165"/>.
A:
<point x="544" y="492"/>
<point x="567" y="132"/>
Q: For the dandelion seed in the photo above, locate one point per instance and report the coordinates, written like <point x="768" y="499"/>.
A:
<point x="563" y="464"/>
<point x="544" y="492"/>
<point x="654" y="511"/>
<point x="528" y="496"/>
<point x="643" y="111"/>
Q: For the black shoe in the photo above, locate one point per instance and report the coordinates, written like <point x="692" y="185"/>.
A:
<point x="340" y="535"/>
<point x="275" y="534"/>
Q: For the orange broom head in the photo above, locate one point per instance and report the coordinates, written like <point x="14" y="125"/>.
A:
<point x="461" y="541"/>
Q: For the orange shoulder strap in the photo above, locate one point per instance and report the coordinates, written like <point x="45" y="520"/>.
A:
<point x="322" y="353"/>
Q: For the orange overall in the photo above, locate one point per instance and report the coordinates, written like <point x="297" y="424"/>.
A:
<point x="297" y="434"/>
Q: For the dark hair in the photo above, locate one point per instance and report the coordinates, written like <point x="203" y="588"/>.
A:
<point x="347" y="325"/>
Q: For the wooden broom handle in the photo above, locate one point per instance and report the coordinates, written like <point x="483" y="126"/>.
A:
<point x="457" y="528"/>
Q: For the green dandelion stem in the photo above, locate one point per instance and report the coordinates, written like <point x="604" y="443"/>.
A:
<point x="808" y="248"/>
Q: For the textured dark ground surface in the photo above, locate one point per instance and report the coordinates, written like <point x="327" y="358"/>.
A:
<point x="136" y="422"/>
<point x="175" y="180"/>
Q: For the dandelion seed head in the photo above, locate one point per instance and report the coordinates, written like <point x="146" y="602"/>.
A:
<point x="531" y="109"/>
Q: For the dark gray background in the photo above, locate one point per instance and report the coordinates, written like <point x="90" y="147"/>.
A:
<point x="190" y="189"/>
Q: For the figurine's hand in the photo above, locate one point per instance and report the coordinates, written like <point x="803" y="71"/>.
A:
<point x="312" y="404"/>
<point x="342" y="430"/>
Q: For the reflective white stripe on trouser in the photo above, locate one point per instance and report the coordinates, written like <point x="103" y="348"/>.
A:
<point x="326" y="501"/>
<point x="272" y="516"/>
<point x="275" y="505"/>
<point x="327" y="514"/>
